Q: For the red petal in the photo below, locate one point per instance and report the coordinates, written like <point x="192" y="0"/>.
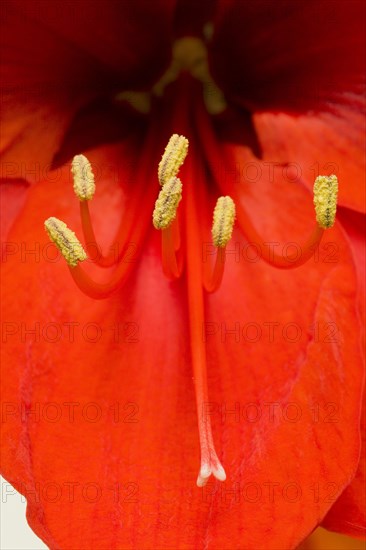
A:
<point x="281" y="56"/>
<point x="305" y="59"/>
<point x="311" y="145"/>
<point x="348" y="514"/>
<point x="262" y="198"/>
<point x="12" y="198"/>
<point x="130" y="40"/>
<point x="42" y="87"/>
<point x="111" y="482"/>
<point x="58" y="56"/>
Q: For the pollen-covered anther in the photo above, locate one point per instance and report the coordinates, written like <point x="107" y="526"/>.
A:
<point x="66" y="241"/>
<point x="325" y="200"/>
<point x="167" y="203"/>
<point x="173" y="158"/>
<point x="223" y="221"/>
<point x="84" y="185"/>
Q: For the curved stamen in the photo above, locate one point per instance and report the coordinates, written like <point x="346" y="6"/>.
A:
<point x="289" y="261"/>
<point x="213" y="279"/>
<point x="222" y="229"/>
<point x="124" y="267"/>
<point x="92" y="245"/>
<point x="141" y="206"/>
<point x="73" y="252"/>
<point x="307" y="248"/>
<point x="100" y="291"/>
<point x="84" y="187"/>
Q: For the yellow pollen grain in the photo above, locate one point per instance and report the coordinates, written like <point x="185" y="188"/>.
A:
<point x="167" y="203"/>
<point x="173" y="158"/>
<point x="84" y="185"/>
<point x="325" y="200"/>
<point x="223" y="221"/>
<point x="65" y="240"/>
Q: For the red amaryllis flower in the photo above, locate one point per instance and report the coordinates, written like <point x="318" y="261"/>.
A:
<point x="99" y="406"/>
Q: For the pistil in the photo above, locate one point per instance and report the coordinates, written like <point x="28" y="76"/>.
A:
<point x="210" y="463"/>
<point x="164" y="218"/>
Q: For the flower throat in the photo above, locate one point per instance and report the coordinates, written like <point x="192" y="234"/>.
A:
<point x="181" y="236"/>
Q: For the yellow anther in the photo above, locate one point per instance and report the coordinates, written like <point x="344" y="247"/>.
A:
<point x="65" y="240"/>
<point x="167" y="203"/>
<point x="173" y="158"/>
<point x="325" y="200"/>
<point x="84" y="185"/>
<point x="223" y="221"/>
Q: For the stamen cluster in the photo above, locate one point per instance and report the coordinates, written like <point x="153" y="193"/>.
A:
<point x="200" y="278"/>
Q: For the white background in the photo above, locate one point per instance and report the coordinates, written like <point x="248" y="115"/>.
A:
<point x="15" y="531"/>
